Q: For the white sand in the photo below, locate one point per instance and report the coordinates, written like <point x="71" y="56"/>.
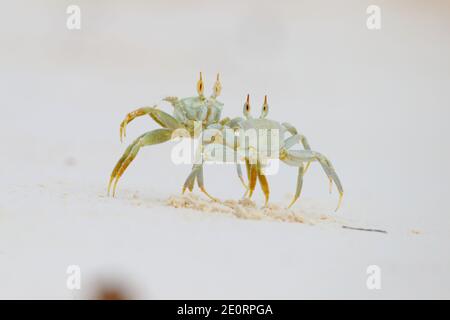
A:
<point x="190" y="247"/>
<point x="376" y="103"/>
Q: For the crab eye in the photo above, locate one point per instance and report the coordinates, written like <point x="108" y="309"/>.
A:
<point x="265" y="108"/>
<point x="247" y="103"/>
<point x="200" y="85"/>
<point x="217" y="86"/>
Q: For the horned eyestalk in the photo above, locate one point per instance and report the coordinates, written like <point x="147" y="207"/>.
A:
<point x="217" y="87"/>
<point x="200" y="86"/>
<point x="265" y="108"/>
<point x="247" y="107"/>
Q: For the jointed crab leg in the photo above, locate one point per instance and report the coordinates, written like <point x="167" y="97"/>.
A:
<point x="252" y="179"/>
<point x="190" y="180"/>
<point x="295" y="157"/>
<point x="164" y="119"/>
<point x="264" y="185"/>
<point x="201" y="185"/>
<point x="255" y="174"/>
<point x="153" y="137"/>
<point x="292" y="140"/>
<point x="292" y="130"/>
<point x="241" y="177"/>
<point x="296" y="138"/>
<point x="196" y="173"/>
<point x="247" y="167"/>
<point x="299" y="183"/>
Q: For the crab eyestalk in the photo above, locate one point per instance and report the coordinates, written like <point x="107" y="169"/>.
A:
<point x="265" y="108"/>
<point x="247" y="107"/>
<point x="200" y="86"/>
<point x="217" y="89"/>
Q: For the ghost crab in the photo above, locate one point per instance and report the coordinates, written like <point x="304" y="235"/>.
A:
<point x="187" y="113"/>
<point x="256" y="154"/>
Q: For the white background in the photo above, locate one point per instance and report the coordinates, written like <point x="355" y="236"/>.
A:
<point x="375" y="102"/>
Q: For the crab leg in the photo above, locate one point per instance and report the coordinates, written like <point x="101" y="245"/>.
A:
<point x="247" y="168"/>
<point x="255" y="174"/>
<point x="196" y="173"/>
<point x="295" y="157"/>
<point x="292" y="140"/>
<point x="190" y="180"/>
<point x="241" y="177"/>
<point x="299" y="184"/>
<point x="296" y="138"/>
<point x="262" y="178"/>
<point x="164" y="119"/>
<point x="292" y="130"/>
<point x="150" y="138"/>
<point x="252" y="179"/>
<point x="264" y="185"/>
<point x="201" y="185"/>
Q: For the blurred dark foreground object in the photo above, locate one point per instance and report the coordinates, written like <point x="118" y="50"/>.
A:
<point x="112" y="291"/>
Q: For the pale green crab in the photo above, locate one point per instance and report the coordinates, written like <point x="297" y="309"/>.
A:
<point x="256" y="154"/>
<point x="187" y="114"/>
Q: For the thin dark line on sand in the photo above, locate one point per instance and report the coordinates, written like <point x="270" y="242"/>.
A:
<point x="363" y="229"/>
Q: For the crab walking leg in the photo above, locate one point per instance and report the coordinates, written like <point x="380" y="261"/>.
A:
<point x="190" y="180"/>
<point x="150" y="138"/>
<point x="297" y="138"/>
<point x="196" y="173"/>
<point x="200" y="183"/>
<point x="164" y="119"/>
<point x="264" y="186"/>
<point x="296" y="156"/>
<point x="294" y="139"/>
<point x="298" y="190"/>
<point x="241" y="177"/>
<point x="248" y="169"/>
<point x="292" y="130"/>
<point x="307" y="167"/>
<point x="252" y="180"/>
<point x="119" y="164"/>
